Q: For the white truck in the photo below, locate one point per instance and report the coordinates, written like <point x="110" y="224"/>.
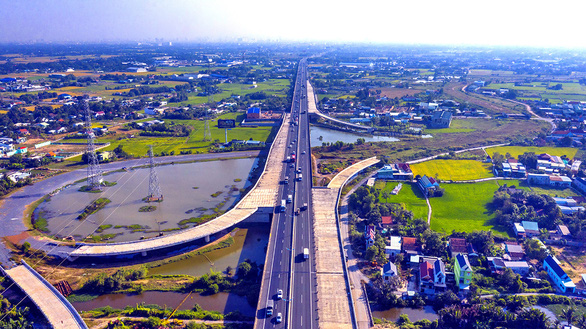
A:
<point x="305" y="253"/>
<point x="283" y="205"/>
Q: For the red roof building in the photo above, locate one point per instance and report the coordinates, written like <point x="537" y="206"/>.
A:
<point x="387" y="221"/>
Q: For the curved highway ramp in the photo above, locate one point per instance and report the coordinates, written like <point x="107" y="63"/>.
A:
<point x="56" y="308"/>
<point x="262" y="195"/>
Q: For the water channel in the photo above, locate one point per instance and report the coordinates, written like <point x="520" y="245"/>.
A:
<point x="332" y="136"/>
<point x="187" y="190"/>
<point x="221" y="302"/>
<point x="415" y="314"/>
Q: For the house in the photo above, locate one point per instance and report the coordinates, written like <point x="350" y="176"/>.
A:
<point x="154" y="111"/>
<point x="409" y="245"/>
<point x="560" y="279"/>
<point x="526" y="229"/>
<point x="580" y="184"/>
<point x="428" y="185"/>
<point x="18" y="176"/>
<point x="519" y="230"/>
<point x="564" y="232"/>
<point x="551" y="180"/>
<point x="457" y="246"/>
<point x="462" y="271"/>
<point x="432" y="275"/>
<point x="23" y="132"/>
<point x="531" y="228"/>
<point x="497" y="264"/>
<point x="513" y="169"/>
<point x="389" y="271"/>
<point x="253" y="113"/>
<point x="441" y="119"/>
<point x="104" y="155"/>
<point x="400" y="171"/>
<point x="387" y="221"/>
<point x="514" y="251"/>
<point x="394" y="248"/>
<point x="21" y="150"/>
<point x="518" y="267"/>
<point x="370" y="235"/>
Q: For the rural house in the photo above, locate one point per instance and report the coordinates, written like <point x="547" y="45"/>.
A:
<point x="432" y="275"/>
<point x="394" y="248"/>
<point x="396" y="171"/>
<point x="457" y="246"/>
<point x="428" y="185"/>
<point x="389" y="271"/>
<point x="410" y="246"/>
<point x="560" y="279"/>
<point x="462" y="271"/>
<point x="441" y="119"/>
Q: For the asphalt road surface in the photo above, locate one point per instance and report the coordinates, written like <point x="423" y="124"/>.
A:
<point x="291" y="231"/>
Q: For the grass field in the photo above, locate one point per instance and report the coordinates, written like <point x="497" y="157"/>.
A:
<point x="457" y="126"/>
<point x="410" y="196"/>
<point x="138" y="146"/>
<point x="465" y="207"/>
<point x="277" y="87"/>
<point x="457" y="170"/>
<point x="515" y="151"/>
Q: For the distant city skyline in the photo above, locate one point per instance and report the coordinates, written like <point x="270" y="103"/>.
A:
<point x="456" y="22"/>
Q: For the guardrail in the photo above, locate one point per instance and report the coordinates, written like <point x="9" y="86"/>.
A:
<point x="367" y="303"/>
<point x="63" y="300"/>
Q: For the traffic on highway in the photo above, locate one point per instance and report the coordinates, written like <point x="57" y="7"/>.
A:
<point x="288" y="300"/>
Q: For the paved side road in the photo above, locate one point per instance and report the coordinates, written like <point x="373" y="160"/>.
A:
<point x="13" y="206"/>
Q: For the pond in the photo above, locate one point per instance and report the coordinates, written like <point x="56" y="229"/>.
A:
<point x="249" y="243"/>
<point x="221" y="302"/>
<point x="415" y="314"/>
<point x="189" y="190"/>
<point x="332" y="136"/>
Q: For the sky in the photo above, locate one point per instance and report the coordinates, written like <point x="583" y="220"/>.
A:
<point x="534" y="23"/>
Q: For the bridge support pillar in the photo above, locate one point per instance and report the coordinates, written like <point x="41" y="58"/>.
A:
<point x="144" y="253"/>
<point x="207" y="238"/>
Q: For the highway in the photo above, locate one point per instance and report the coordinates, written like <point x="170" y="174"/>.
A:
<point x="291" y="233"/>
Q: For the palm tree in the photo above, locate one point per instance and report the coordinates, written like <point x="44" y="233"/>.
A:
<point x="581" y="321"/>
<point x="569" y="314"/>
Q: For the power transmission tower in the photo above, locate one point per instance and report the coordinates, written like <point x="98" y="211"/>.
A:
<point x="207" y="134"/>
<point x="155" y="194"/>
<point x="94" y="173"/>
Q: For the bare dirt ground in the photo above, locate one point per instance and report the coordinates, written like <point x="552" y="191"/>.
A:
<point x="573" y="260"/>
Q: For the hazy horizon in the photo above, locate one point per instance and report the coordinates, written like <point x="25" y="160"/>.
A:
<point x="425" y="22"/>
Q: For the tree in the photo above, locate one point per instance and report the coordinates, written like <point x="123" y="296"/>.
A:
<point x="371" y="253"/>
<point x="433" y="243"/>
<point x="532" y="318"/>
<point x="243" y="269"/>
<point x="569" y="314"/>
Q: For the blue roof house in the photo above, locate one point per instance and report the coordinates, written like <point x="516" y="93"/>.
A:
<point x="560" y="279"/>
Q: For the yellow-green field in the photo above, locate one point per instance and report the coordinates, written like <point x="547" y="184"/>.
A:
<point x="515" y="151"/>
<point x="457" y="170"/>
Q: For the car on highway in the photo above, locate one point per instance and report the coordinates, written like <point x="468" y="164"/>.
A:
<point x="299" y="170"/>
<point x="279" y="318"/>
<point x="292" y="165"/>
<point x="280" y="294"/>
<point x="304" y="152"/>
